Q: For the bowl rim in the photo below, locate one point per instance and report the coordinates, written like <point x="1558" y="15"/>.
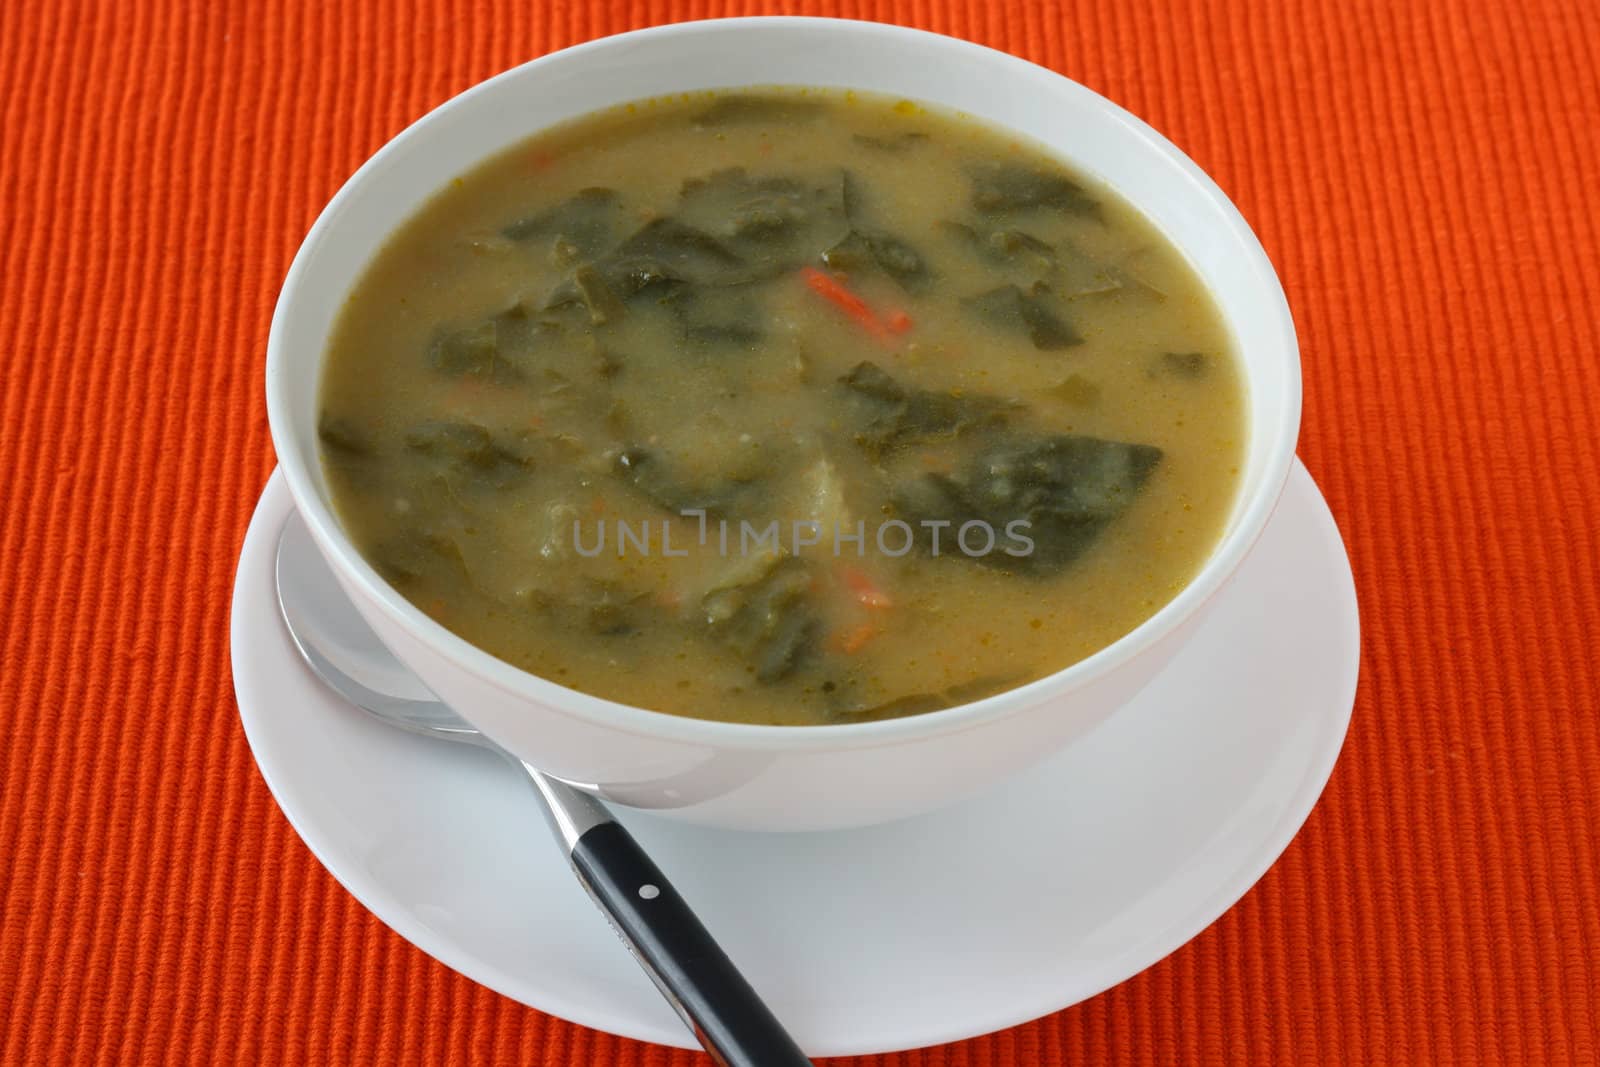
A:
<point x="520" y="684"/>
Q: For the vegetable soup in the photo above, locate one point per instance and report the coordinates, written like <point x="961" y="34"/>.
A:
<point x="782" y="406"/>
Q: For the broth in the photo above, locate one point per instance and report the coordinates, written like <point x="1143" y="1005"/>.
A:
<point x="616" y="404"/>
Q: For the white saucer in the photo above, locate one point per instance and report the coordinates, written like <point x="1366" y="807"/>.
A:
<point x="1043" y="892"/>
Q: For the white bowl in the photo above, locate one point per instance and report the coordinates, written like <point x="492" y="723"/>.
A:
<point x="769" y="777"/>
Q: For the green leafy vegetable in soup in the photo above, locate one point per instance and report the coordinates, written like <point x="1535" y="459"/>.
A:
<point x="782" y="406"/>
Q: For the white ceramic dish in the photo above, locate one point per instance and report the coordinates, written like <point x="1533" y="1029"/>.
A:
<point x="1043" y="891"/>
<point x="758" y="776"/>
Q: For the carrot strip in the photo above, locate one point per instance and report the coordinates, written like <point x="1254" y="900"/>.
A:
<point x="831" y="290"/>
<point x="898" y="321"/>
<point x="868" y="592"/>
<point x="855" y="639"/>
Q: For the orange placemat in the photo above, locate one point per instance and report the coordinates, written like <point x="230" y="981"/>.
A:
<point x="1422" y="175"/>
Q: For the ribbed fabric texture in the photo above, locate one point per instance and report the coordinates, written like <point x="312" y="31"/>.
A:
<point x="1423" y="176"/>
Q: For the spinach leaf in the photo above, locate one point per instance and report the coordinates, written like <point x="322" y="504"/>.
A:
<point x="603" y="303"/>
<point x="888" y="414"/>
<point x="728" y="315"/>
<point x="597" y="605"/>
<point x="1002" y="188"/>
<point x="1025" y="312"/>
<point x="341" y="437"/>
<point x="586" y="223"/>
<point x="588" y="296"/>
<point x="468" y="453"/>
<point x="666" y="251"/>
<point x="730" y="197"/>
<point x="651" y="475"/>
<point x="690" y="251"/>
<point x="1013" y="242"/>
<point x="1084" y="275"/>
<point x="609" y="608"/>
<point x="1072" y="272"/>
<point x="841" y="704"/>
<point x="414" y="551"/>
<point x="769" y="222"/>
<point x="896" y="258"/>
<point x="1185" y="364"/>
<point x="496" y="349"/>
<point x="864" y="245"/>
<point x="767" y="616"/>
<point x="849" y="196"/>
<point x="897" y="144"/>
<point x="1069" y="488"/>
<point x="614" y="611"/>
<point x="733" y="109"/>
<point x="1008" y="247"/>
<point x="635" y="276"/>
<point x="849" y="253"/>
<point x="473" y="351"/>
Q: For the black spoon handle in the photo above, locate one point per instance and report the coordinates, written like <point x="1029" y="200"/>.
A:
<point x="658" y="926"/>
<point x="679" y="954"/>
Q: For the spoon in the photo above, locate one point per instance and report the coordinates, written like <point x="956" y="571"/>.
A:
<point x="668" y="941"/>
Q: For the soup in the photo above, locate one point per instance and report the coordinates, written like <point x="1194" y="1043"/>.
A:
<point x="782" y="406"/>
